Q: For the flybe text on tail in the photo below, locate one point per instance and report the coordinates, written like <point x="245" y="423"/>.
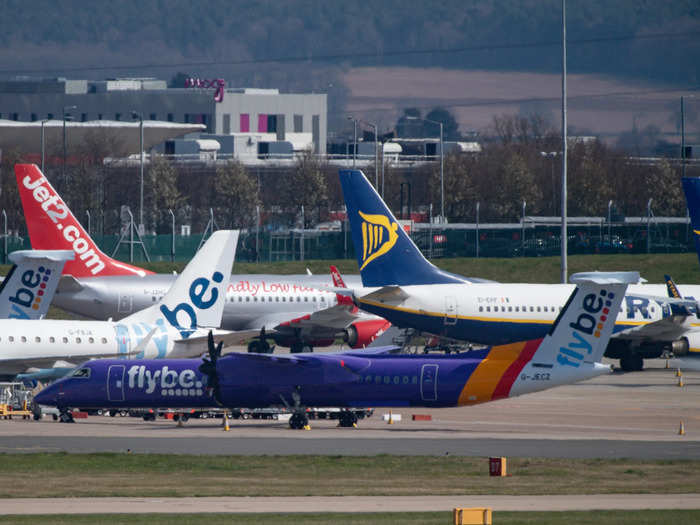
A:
<point x="58" y="212"/>
<point x="30" y="294"/>
<point x="586" y="329"/>
<point x="198" y="290"/>
<point x="378" y="236"/>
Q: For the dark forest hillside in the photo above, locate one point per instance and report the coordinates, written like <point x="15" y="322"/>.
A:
<point x="643" y="39"/>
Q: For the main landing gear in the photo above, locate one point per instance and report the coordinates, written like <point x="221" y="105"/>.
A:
<point x="347" y="419"/>
<point x="298" y="421"/>
<point x="65" y="416"/>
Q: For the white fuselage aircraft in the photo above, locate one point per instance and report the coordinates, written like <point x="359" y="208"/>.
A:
<point x="409" y="291"/>
<point x="176" y="326"/>
<point x="297" y="311"/>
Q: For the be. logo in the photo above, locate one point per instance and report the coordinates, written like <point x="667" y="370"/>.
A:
<point x="29" y="296"/>
<point x="198" y="289"/>
<point x="378" y="237"/>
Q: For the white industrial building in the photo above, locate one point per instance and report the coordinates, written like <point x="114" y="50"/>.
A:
<point x="263" y="116"/>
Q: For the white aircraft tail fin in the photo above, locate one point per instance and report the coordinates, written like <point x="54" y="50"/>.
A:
<point x="27" y="290"/>
<point x="584" y="326"/>
<point x="197" y="297"/>
<point x="574" y="346"/>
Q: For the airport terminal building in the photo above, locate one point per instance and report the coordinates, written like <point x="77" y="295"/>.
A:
<point x="223" y="111"/>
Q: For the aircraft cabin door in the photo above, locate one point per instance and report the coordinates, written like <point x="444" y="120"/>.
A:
<point x="115" y="383"/>
<point x="125" y="304"/>
<point x="450" y="310"/>
<point x="428" y="382"/>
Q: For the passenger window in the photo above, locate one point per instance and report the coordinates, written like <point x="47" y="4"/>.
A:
<point x="255" y="299"/>
<point x="104" y="340"/>
<point x="65" y="339"/>
<point x="544" y="308"/>
<point x="313" y="298"/>
<point x="12" y="339"/>
<point x="510" y="308"/>
<point x="277" y="299"/>
<point x="306" y="299"/>
<point x="488" y="308"/>
<point x="77" y="340"/>
<point x="247" y="299"/>
<point x="323" y="299"/>
<point x="532" y="308"/>
<point x="298" y="299"/>
<point x="538" y="309"/>
<point x="91" y="340"/>
<point x="24" y="339"/>
<point x="481" y="308"/>
<point x="517" y="308"/>
<point x="37" y="339"/>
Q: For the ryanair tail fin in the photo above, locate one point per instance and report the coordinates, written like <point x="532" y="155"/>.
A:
<point x="691" y="187"/>
<point x="52" y="226"/>
<point x="386" y="255"/>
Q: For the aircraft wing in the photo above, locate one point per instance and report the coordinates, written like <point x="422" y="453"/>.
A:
<point x="672" y="325"/>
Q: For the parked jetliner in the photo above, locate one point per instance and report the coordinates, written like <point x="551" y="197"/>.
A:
<point x="174" y="327"/>
<point x="292" y="310"/>
<point x="571" y="351"/>
<point x="27" y="289"/>
<point x="690" y="358"/>
<point x="411" y="292"/>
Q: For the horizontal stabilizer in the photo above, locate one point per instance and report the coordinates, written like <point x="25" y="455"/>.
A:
<point x="386" y="294"/>
<point x="605" y="277"/>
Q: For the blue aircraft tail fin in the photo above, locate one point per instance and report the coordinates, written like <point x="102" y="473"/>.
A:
<point x="386" y="255"/>
<point x="691" y="187"/>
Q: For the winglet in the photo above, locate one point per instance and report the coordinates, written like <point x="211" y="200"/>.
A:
<point x="52" y="226"/>
<point x="671" y="288"/>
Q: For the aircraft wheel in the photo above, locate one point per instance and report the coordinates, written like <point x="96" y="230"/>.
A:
<point x="632" y="362"/>
<point x="298" y="421"/>
<point x="254" y="347"/>
<point x="347" y="419"/>
<point x="296" y="348"/>
<point x="66" y="417"/>
<point x="307" y="348"/>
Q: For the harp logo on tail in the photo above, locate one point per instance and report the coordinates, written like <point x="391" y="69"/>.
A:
<point x="378" y="236"/>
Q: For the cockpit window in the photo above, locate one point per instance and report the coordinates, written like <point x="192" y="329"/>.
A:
<point x="81" y="372"/>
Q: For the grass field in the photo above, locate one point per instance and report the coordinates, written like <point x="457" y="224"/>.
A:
<point x="620" y="517"/>
<point x="154" y="475"/>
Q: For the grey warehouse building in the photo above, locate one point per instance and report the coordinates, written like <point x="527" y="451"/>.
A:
<point x="233" y="111"/>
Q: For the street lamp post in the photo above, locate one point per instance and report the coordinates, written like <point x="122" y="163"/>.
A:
<point x="138" y="115"/>
<point x="442" y="164"/>
<point x="564" y="139"/>
<point x="65" y="116"/>
<point x="354" y="140"/>
<point x="43" y="149"/>
<point x="376" y="151"/>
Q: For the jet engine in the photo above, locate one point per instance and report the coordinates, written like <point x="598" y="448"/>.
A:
<point x="362" y="333"/>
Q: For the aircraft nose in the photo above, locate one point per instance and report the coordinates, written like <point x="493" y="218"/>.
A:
<point x="47" y="396"/>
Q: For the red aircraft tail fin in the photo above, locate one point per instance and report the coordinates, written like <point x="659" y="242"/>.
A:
<point x="52" y="226"/>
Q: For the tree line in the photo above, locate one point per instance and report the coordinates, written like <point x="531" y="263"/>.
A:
<point x="521" y="163"/>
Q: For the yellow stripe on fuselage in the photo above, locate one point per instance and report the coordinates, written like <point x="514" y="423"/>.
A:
<point x="479" y="318"/>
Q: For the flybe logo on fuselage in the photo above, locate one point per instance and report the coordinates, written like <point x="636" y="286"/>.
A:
<point x="164" y="381"/>
<point x="31" y="294"/>
<point x="198" y="290"/>
<point x="58" y="212"/>
<point x="378" y="236"/>
<point x="589" y="323"/>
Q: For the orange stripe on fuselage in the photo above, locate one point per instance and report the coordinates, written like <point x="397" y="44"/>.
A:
<point x="484" y="380"/>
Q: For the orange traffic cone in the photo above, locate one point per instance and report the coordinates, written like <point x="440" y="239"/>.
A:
<point x="681" y="430"/>
<point x="680" y="381"/>
<point x="678" y="373"/>
<point x="226" y="427"/>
